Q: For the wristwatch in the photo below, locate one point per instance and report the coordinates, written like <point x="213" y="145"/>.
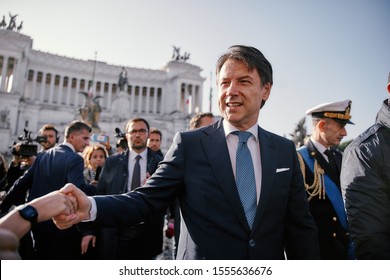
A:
<point x="28" y="213"/>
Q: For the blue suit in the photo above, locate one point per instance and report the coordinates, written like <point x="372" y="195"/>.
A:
<point x="51" y="171"/>
<point x="198" y="171"/>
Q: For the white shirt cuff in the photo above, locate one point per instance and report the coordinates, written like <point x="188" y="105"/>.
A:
<point x="93" y="211"/>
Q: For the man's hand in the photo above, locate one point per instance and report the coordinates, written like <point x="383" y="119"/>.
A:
<point x="85" y="243"/>
<point x="64" y="221"/>
<point x="53" y="204"/>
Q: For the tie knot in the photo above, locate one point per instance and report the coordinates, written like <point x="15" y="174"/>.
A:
<point x="243" y="136"/>
<point x="328" y="153"/>
<point x="138" y="157"/>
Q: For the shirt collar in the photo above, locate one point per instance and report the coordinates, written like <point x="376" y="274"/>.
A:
<point x="70" y="146"/>
<point x="228" y="128"/>
<point x="321" y="148"/>
<point x="133" y="154"/>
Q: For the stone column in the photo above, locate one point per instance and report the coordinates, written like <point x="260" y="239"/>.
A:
<point x="68" y="91"/>
<point x="132" y="95"/>
<point x="43" y="83"/>
<point x="33" y="86"/>
<point x="77" y="94"/>
<point x="109" y="99"/>
<point x="155" y="100"/>
<point x="60" y="89"/>
<point x="147" y="100"/>
<point x="4" y="74"/>
<point x="51" y="88"/>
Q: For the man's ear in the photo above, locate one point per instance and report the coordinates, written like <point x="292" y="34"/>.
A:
<point x="321" y="124"/>
<point x="388" y="87"/>
<point x="267" y="91"/>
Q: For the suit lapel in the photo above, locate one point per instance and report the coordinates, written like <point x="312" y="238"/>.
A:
<point x="214" y="143"/>
<point x="323" y="163"/>
<point x="124" y="165"/>
<point x="268" y="154"/>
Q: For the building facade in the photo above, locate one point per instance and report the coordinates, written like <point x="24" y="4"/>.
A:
<point x="37" y="88"/>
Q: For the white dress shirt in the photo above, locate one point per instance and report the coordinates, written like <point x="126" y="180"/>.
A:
<point x="253" y="146"/>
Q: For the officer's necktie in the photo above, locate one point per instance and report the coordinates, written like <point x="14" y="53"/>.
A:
<point x="331" y="160"/>
<point x="136" y="180"/>
<point x="245" y="177"/>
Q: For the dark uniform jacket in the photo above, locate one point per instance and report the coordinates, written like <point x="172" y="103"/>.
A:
<point x="333" y="238"/>
<point x="365" y="180"/>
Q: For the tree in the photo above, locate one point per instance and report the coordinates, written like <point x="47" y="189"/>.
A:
<point x="299" y="134"/>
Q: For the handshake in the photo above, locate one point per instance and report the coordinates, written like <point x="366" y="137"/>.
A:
<point x="66" y="207"/>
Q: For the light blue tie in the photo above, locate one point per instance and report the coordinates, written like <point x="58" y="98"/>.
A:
<point x="245" y="177"/>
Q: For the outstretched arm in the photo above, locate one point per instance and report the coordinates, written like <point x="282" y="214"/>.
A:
<point x="47" y="207"/>
<point x="64" y="221"/>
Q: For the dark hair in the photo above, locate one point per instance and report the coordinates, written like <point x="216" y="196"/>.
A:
<point x="156" y="131"/>
<point x="253" y="59"/>
<point x="76" y="126"/>
<point x="48" y="127"/>
<point x="196" y="120"/>
<point x="137" y="120"/>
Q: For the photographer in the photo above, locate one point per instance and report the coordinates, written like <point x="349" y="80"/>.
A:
<point x="24" y="154"/>
<point x="17" y="167"/>
<point x="51" y="134"/>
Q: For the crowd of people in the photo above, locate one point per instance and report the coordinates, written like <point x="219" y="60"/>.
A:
<point x="225" y="189"/>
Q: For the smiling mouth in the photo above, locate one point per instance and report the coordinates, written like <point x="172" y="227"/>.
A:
<point x="233" y="104"/>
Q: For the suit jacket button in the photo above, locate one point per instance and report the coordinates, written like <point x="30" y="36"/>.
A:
<point x="334" y="219"/>
<point x="252" y="243"/>
<point x="334" y="235"/>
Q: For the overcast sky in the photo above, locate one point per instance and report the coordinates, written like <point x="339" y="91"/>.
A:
<point x="321" y="51"/>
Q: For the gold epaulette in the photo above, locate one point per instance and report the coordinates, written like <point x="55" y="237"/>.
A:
<point x="318" y="186"/>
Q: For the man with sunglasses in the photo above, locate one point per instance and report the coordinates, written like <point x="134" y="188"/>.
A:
<point x="123" y="173"/>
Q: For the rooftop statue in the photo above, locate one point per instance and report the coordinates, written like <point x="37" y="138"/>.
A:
<point x="122" y="79"/>
<point x="3" y="23"/>
<point x="90" y="113"/>
<point x="177" y="56"/>
<point x="12" y="22"/>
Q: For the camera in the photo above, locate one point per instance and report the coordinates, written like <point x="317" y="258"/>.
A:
<point x="119" y="133"/>
<point x="26" y="147"/>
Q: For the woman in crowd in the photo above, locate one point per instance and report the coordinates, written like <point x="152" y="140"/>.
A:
<point x="94" y="159"/>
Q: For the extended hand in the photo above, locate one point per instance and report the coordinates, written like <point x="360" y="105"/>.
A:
<point x="64" y="221"/>
<point x="53" y="204"/>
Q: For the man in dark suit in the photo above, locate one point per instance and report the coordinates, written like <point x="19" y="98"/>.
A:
<point x="154" y="141"/>
<point x="50" y="171"/>
<point x="144" y="240"/>
<point x="321" y="168"/>
<point x="200" y="170"/>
